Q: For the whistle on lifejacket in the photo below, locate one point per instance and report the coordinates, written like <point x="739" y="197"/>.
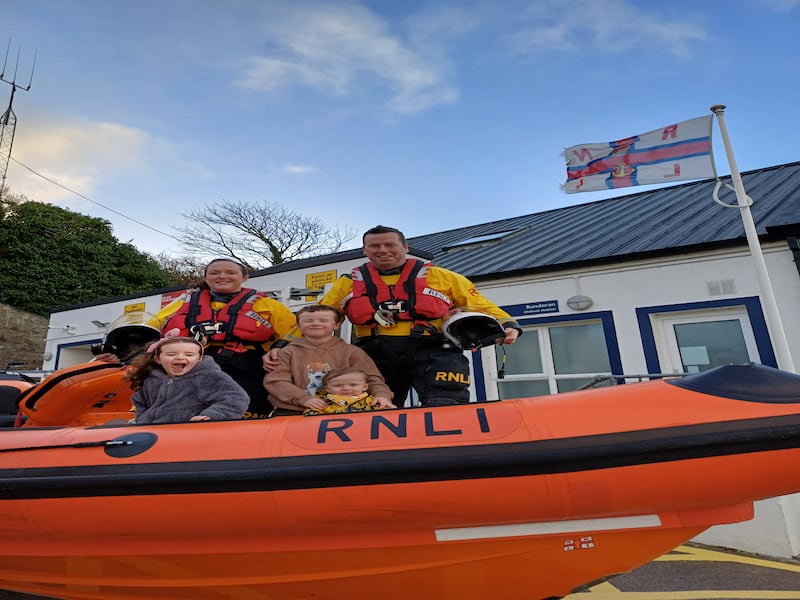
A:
<point x="384" y="318"/>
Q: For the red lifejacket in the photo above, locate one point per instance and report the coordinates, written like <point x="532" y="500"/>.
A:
<point x="410" y="299"/>
<point x="239" y="321"/>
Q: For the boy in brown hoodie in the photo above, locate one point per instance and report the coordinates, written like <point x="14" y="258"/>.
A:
<point x="296" y="384"/>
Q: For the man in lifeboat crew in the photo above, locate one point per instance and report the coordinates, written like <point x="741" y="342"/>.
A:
<point x="397" y="306"/>
<point x="236" y="325"/>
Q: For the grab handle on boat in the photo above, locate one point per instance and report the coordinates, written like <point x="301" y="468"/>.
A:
<point x="121" y="447"/>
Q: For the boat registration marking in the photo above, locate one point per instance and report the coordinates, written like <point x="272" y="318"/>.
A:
<point x="546" y="528"/>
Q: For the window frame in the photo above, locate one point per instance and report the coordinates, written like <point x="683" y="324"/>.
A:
<point x="651" y="318"/>
<point x="670" y="347"/>
<point x="485" y="365"/>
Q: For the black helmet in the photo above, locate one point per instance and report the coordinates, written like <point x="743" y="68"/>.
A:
<point x="130" y="334"/>
<point x="469" y="330"/>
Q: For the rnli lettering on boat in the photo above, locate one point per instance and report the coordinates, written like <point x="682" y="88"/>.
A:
<point x="388" y="428"/>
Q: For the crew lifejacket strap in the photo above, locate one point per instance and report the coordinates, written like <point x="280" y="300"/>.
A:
<point x="233" y="309"/>
<point x="420" y="328"/>
<point x="410" y="285"/>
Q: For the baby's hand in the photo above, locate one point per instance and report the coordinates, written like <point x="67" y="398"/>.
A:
<point x="314" y="403"/>
<point x="200" y="418"/>
<point x="381" y="403"/>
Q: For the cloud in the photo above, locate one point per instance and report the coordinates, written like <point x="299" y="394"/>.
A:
<point x="298" y="169"/>
<point x="608" y="27"/>
<point x="75" y="154"/>
<point x="340" y="50"/>
<point x="57" y="152"/>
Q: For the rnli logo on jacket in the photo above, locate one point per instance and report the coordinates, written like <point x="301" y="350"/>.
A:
<point x="258" y="318"/>
<point x="390" y="428"/>
<point x="430" y="292"/>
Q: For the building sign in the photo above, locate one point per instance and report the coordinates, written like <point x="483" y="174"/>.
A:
<point x="317" y="281"/>
<point x="132" y="308"/>
<point x="169" y="297"/>
<point x="532" y="308"/>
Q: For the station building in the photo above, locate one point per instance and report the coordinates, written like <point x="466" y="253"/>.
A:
<point x="640" y="285"/>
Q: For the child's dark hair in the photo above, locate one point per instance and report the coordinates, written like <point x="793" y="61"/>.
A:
<point x="334" y="373"/>
<point x="141" y="366"/>
<point x="312" y="308"/>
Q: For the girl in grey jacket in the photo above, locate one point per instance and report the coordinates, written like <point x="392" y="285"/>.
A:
<point x="173" y="383"/>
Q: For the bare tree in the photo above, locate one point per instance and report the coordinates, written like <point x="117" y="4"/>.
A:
<point x="182" y="270"/>
<point x="258" y="235"/>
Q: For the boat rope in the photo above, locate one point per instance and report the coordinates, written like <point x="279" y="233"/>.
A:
<point x="103" y="444"/>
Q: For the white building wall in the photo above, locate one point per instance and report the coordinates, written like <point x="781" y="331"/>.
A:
<point x="72" y="332"/>
<point x="620" y="288"/>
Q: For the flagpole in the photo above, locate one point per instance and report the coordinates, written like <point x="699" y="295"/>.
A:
<point x="768" y="295"/>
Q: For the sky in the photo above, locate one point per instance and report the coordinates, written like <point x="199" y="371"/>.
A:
<point x="425" y="115"/>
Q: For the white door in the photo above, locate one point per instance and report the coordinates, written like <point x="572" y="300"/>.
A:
<point x="701" y="340"/>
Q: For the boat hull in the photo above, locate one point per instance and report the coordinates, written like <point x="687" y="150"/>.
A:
<point x="511" y="569"/>
<point x="516" y="499"/>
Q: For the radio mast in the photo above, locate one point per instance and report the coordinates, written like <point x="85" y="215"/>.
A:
<point x="8" y="120"/>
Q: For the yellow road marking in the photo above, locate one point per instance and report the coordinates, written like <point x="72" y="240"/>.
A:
<point x="691" y="553"/>
<point x="607" y="591"/>
<point x="612" y="593"/>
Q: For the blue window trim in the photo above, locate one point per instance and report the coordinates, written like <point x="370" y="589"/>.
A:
<point x="70" y="345"/>
<point x="751" y="304"/>
<point x="606" y="319"/>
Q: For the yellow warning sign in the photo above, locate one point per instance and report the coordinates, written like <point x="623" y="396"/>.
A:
<point x="132" y="308"/>
<point x="317" y="281"/>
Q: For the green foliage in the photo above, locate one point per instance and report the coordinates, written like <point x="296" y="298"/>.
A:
<point x="51" y="257"/>
<point x="182" y="270"/>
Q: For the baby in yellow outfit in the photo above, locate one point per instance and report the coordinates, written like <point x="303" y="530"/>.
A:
<point x="345" y="390"/>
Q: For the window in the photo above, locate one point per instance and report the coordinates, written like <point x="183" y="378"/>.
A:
<point x="553" y="358"/>
<point x="701" y="340"/>
<point x="697" y="336"/>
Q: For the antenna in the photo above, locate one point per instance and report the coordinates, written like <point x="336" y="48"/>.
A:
<point x="8" y="120"/>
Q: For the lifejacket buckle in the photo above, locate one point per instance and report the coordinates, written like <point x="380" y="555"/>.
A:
<point x="236" y="347"/>
<point x="196" y="333"/>
<point x="394" y="306"/>
<point x="230" y="349"/>
<point x="420" y="328"/>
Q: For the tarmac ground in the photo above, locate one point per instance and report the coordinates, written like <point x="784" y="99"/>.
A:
<point x="690" y="572"/>
<point x="696" y="572"/>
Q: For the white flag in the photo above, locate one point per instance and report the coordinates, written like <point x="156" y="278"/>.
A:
<point x="673" y="153"/>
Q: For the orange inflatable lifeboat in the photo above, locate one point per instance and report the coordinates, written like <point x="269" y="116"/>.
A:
<point x="519" y="499"/>
<point x="85" y="394"/>
<point x="11" y="386"/>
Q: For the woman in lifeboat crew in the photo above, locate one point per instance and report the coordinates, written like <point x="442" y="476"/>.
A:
<point x="236" y="325"/>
